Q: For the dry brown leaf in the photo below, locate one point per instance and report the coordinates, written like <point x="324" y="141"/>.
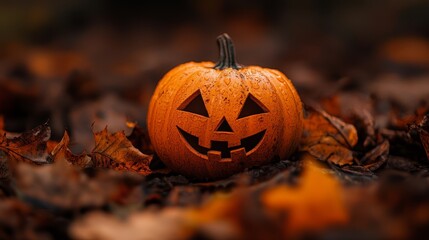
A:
<point x="373" y="159"/>
<point x="315" y="204"/>
<point x="29" y="147"/>
<point x="327" y="138"/>
<point x="116" y="151"/>
<point x="112" y="151"/>
<point x="328" y="149"/>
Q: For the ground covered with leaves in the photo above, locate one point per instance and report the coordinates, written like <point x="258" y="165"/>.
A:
<point x="76" y="161"/>
<point x="347" y="179"/>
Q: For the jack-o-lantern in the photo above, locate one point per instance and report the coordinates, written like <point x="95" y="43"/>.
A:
<point x="210" y="121"/>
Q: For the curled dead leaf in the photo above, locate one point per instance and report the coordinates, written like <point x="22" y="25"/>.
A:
<point x="328" y="138"/>
<point x="373" y="159"/>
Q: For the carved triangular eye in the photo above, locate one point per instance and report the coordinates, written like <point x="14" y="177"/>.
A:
<point x="195" y="104"/>
<point x="251" y="107"/>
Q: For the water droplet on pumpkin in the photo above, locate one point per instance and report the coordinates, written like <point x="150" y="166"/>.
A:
<point x="254" y="84"/>
<point x="227" y="81"/>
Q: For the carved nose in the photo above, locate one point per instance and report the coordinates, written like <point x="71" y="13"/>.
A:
<point x="223" y="126"/>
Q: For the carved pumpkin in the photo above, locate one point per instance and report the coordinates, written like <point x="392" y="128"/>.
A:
<point x="210" y="121"/>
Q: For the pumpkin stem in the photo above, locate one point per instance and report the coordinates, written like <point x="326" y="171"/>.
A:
<point x="226" y="53"/>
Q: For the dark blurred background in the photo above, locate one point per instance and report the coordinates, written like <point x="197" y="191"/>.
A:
<point x="82" y="62"/>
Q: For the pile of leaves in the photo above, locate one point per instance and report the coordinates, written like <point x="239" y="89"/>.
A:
<point x="343" y="181"/>
<point x="361" y="170"/>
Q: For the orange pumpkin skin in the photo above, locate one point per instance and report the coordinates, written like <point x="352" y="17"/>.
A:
<point x="210" y="123"/>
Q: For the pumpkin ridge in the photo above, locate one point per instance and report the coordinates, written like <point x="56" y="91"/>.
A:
<point x="296" y="105"/>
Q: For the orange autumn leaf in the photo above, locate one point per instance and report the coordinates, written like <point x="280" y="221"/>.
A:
<point x="328" y="138"/>
<point x="28" y="147"/>
<point x="113" y="151"/>
<point x="116" y="151"/>
<point x="315" y="204"/>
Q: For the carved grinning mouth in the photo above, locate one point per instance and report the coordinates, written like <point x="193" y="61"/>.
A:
<point x="248" y="144"/>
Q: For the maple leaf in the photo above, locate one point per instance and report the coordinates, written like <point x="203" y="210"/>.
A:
<point x="328" y="138"/>
<point x="116" y="151"/>
<point x="112" y="151"/>
<point x="29" y="147"/>
<point x="315" y="204"/>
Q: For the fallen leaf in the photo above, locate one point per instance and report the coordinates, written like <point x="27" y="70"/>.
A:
<point x="29" y="147"/>
<point x="327" y="138"/>
<point x="373" y="159"/>
<point x="316" y="203"/>
<point x="327" y="149"/>
<point x="112" y="151"/>
<point x="116" y="151"/>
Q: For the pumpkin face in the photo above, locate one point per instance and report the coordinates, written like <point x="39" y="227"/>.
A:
<point x="210" y="121"/>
